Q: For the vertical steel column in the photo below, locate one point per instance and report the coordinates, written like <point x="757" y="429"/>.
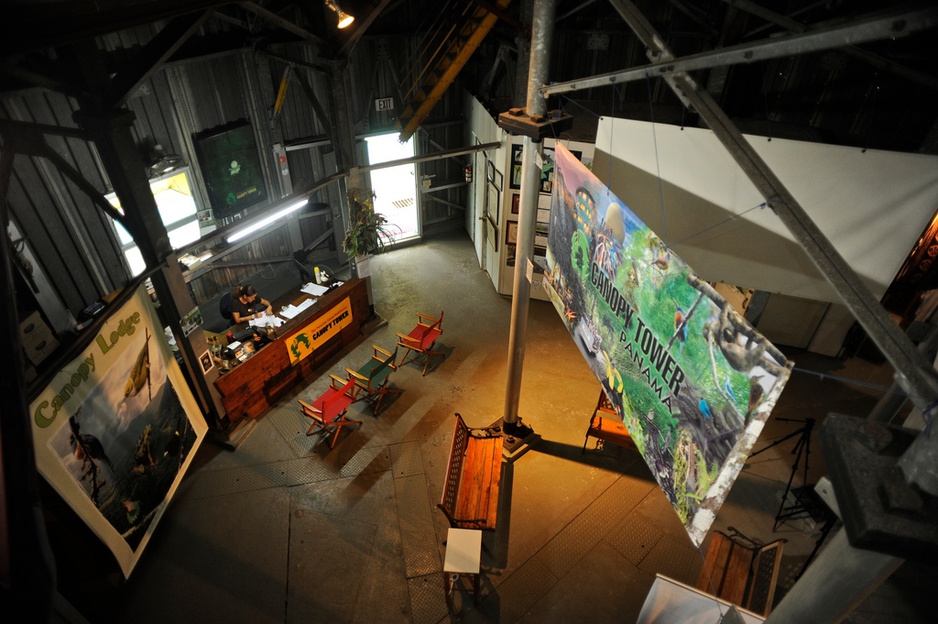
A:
<point x="26" y="560"/>
<point x="110" y="129"/>
<point x="542" y="32"/>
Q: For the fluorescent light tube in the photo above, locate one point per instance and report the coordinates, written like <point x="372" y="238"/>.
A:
<point x="266" y="221"/>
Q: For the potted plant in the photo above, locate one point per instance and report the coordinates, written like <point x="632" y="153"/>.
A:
<point x="367" y="232"/>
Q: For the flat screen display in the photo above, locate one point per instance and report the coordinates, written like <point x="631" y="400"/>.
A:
<point x="231" y="168"/>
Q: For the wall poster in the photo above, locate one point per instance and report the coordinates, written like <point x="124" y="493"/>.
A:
<point x="231" y="168"/>
<point x="117" y="428"/>
<point x="692" y="381"/>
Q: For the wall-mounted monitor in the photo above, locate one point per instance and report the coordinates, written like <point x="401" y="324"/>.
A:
<point x="231" y="167"/>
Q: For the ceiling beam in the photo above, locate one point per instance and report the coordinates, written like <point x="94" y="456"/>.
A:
<point x="283" y="23"/>
<point x="363" y="26"/>
<point x="875" y="60"/>
<point x="895" y="25"/>
<point x="152" y="56"/>
<point x="39" y="25"/>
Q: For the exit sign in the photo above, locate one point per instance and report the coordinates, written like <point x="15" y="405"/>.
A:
<point x="384" y="104"/>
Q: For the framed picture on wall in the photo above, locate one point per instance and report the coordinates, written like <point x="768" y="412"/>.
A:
<point x="516" y="154"/>
<point x="515" y="203"/>
<point x="207" y="363"/>
<point x="510" y="253"/>
<point x="491" y="233"/>
<point x="511" y="232"/>
<point x="493" y="175"/>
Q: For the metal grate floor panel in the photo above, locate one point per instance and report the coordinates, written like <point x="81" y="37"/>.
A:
<point x="418" y="536"/>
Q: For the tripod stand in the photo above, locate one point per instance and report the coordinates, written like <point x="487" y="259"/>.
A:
<point x="802" y="446"/>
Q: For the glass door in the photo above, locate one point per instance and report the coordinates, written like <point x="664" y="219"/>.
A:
<point x="395" y="187"/>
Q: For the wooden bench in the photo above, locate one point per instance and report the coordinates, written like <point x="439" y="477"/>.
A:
<point x="329" y="410"/>
<point x="372" y="378"/>
<point x="606" y="427"/>
<point x="419" y="342"/>
<point x="741" y="571"/>
<point x="474" y="472"/>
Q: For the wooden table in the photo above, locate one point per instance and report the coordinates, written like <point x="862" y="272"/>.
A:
<point x="302" y="345"/>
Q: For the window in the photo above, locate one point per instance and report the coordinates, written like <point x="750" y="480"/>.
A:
<point x="177" y="210"/>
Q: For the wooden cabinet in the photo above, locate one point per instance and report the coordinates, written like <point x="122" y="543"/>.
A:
<point x="37" y="339"/>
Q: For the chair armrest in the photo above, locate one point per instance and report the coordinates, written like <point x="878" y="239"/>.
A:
<point x="336" y="381"/>
<point x="408" y="341"/>
<point x="356" y="376"/>
<point x="306" y="407"/>
<point x="378" y="351"/>
<point x="424" y="319"/>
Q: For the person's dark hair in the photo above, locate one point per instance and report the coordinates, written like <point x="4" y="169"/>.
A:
<point x="244" y="291"/>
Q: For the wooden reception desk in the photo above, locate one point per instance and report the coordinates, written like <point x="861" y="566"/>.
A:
<point x="302" y="345"/>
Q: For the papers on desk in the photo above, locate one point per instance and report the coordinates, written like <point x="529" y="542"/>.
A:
<point x="292" y="311"/>
<point x="314" y="289"/>
<point x="268" y="320"/>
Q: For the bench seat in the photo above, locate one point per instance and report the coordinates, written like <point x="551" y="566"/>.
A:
<point x="473" y="476"/>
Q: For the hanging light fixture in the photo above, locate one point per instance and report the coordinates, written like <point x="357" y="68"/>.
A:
<point x="160" y="163"/>
<point x="344" y="18"/>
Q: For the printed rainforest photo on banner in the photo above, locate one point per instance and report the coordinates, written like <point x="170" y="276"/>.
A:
<point x="692" y="381"/>
<point x="116" y="428"/>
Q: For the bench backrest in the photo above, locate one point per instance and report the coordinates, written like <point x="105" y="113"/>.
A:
<point x="454" y="468"/>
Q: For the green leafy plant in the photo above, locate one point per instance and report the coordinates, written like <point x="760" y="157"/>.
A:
<point x="368" y="231"/>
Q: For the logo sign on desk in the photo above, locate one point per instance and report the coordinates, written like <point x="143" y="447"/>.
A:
<point x="319" y="331"/>
<point x="690" y="379"/>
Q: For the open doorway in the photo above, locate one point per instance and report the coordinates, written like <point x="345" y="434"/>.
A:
<point x="395" y="187"/>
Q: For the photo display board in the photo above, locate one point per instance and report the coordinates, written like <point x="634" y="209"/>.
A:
<point x="116" y="429"/>
<point x="691" y="380"/>
<point x="231" y="168"/>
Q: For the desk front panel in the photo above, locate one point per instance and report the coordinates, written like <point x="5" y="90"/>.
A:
<point x="253" y="386"/>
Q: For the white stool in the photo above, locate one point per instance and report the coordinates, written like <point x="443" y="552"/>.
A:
<point x="463" y="555"/>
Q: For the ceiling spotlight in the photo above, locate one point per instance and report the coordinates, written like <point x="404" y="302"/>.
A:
<point x="344" y="18"/>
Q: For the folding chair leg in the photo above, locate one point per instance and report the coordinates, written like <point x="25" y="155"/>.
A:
<point x="426" y="363"/>
<point x="380" y="394"/>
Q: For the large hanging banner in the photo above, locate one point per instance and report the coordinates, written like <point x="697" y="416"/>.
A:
<point x="117" y="428"/>
<point x="692" y="381"/>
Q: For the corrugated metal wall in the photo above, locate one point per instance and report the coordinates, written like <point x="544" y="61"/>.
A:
<point x="74" y="240"/>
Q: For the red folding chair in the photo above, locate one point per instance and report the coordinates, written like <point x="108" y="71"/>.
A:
<point x="329" y="410"/>
<point x="418" y="344"/>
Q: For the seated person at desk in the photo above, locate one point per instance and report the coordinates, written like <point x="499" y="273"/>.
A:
<point x="245" y="305"/>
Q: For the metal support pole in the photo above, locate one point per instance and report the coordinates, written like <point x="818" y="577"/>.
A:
<point x="27" y="565"/>
<point x="542" y="30"/>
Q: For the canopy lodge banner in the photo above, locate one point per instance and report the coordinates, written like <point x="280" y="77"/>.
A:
<point x="692" y="381"/>
<point x="117" y="428"/>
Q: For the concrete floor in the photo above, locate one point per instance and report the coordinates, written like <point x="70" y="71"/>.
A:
<point x="283" y="529"/>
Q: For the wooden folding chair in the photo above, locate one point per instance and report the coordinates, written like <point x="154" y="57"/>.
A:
<point x="372" y="378"/>
<point x="328" y="411"/>
<point x="419" y="342"/>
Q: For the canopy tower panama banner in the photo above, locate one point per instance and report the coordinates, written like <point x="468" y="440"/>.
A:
<point x="691" y="380"/>
<point x="116" y="429"/>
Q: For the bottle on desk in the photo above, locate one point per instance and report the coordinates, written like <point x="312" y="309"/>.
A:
<point x="316" y="275"/>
